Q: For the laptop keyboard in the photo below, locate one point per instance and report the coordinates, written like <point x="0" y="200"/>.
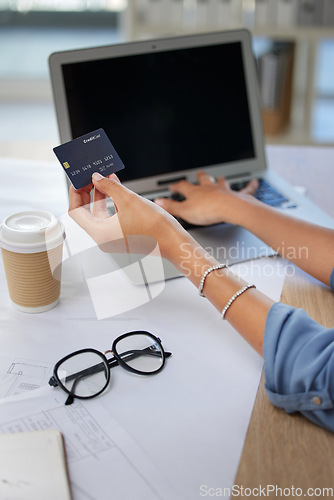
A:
<point x="265" y="193"/>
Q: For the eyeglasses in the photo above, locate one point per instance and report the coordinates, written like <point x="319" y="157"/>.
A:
<point x="85" y="374"/>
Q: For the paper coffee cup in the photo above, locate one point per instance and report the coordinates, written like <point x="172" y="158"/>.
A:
<point x="31" y="247"/>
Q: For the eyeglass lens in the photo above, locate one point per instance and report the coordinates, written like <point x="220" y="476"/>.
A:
<point x="140" y="352"/>
<point x="84" y="374"/>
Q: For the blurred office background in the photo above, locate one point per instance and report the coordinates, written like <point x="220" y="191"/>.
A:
<point x="293" y="44"/>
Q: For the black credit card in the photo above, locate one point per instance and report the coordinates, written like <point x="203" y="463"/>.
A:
<point x="92" y="152"/>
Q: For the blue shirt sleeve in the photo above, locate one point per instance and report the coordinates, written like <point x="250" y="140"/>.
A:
<point x="299" y="364"/>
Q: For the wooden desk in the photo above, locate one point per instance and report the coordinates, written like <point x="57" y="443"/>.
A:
<point x="281" y="449"/>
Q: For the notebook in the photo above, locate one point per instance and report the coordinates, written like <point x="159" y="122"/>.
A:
<point x="33" y="466"/>
<point x="171" y="107"/>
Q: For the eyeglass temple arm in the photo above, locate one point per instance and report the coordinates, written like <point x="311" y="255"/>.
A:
<point x="80" y="376"/>
<point x="133" y="354"/>
<point x="83" y="373"/>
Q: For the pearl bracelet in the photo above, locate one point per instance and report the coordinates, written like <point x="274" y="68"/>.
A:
<point x="208" y="271"/>
<point x="235" y="296"/>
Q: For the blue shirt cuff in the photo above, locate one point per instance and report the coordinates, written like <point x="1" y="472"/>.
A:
<point x="299" y="364"/>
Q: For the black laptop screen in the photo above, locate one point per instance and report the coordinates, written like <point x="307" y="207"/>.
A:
<point x="165" y="111"/>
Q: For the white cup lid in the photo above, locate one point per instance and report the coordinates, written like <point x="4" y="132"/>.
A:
<point x="31" y="231"/>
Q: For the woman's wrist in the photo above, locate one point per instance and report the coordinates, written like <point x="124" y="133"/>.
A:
<point x="180" y="248"/>
<point x="239" y="209"/>
<point x="171" y="240"/>
<point x="190" y="258"/>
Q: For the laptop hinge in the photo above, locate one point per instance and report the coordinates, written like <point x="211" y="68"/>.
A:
<point x="235" y="176"/>
<point x="171" y="181"/>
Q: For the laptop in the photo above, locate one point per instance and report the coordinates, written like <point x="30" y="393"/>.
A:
<point x="173" y="106"/>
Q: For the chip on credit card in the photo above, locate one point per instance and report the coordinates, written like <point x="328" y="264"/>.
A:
<point x="89" y="153"/>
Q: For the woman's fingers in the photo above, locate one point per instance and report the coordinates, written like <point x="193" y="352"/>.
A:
<point x="205" y="179"/>
<point x="251" y="187"/>
<point x="99" y="208"/>
<point x="111" y="187"/>
<point x="79" y="209"/>
<point x="223" y="183"/>
<point x="80" y="197"/>
<point x="79" y="206"/>
<point x="182" y="187"/>
<point x="171" y="206"/>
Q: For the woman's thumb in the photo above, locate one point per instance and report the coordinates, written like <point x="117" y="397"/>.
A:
<point x="109" y="186"/>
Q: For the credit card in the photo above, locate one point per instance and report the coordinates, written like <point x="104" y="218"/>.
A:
<point x="89" y="153"/>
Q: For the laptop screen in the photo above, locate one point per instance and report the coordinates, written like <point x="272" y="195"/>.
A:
<point x="165" y="111"/>
<point x="169" y="106"/>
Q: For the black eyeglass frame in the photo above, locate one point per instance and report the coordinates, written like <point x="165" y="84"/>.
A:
<point x="107" y="363"/>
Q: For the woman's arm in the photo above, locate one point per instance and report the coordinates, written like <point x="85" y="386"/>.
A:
<point x="137" y="216"/>
<point x="298" y="353"/>
<point x="309" y="246"/>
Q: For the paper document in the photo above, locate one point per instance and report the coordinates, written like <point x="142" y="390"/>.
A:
<point x="101" y="456"/>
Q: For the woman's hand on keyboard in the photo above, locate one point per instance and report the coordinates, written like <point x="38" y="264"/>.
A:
<point x="208" y="202"/>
